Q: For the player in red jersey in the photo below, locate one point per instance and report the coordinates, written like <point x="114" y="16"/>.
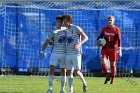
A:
<point x="112" y="35"/>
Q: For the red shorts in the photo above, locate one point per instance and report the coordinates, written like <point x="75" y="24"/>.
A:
<point x="112" y="55"/>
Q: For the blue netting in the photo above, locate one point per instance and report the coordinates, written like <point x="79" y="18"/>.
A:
<point x="25" y="30"/>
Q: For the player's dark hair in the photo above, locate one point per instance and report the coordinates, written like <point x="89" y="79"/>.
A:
<point x="59" y="17"/>
<point x="67" y="17"/>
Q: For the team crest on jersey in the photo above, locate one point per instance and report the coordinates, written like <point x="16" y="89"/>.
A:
<point x="61" y="39"/>
<point x="69" y="40"/>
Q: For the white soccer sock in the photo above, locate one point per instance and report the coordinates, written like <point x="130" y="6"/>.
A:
<point x="82" y="78"/>
<point x="50" y="79"/>
<point x="63" y="82"/>
<point x="70" y="82"/>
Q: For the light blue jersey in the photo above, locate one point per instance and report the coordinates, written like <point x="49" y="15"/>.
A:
<point x="73" y="38"/>
<point x="58" y="36"/>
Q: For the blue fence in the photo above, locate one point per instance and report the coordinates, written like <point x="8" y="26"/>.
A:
<point x="24" y="30"/>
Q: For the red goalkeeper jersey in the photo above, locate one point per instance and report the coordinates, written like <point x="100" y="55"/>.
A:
<point x="112" y="37"/>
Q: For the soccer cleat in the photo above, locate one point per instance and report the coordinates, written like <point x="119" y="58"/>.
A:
<point x="106" y="80"/>
<point x="49" y="91"/>
<point x="62" y="91"/>
<point x="84" y="87"/>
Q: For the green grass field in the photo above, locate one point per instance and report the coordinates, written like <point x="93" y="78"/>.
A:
<point x="37" y="84"/>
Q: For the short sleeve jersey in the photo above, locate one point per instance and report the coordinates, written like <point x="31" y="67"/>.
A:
<point x="58" y="36"/>
<point x="73" y="37"/>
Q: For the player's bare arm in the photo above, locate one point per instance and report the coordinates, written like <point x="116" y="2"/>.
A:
<point x="82" y="41"/>
<point x="43" y="47"/>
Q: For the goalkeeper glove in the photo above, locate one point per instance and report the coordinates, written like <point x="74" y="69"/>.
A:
<point x="120" y="51"/>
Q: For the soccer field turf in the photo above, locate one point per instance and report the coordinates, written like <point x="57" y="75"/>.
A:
<point x="37" y="84"/>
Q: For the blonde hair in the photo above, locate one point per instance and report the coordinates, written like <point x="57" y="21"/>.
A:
<point x="111" y="17"/>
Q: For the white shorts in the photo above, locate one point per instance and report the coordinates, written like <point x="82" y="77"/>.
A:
<point x="73" y="62"/>
<point x="57" y="59"/>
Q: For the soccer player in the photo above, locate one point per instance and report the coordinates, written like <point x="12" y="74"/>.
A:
<point x="58" y="53"/>
<point x="73" y="51"/>
<point x="112" y="35"/>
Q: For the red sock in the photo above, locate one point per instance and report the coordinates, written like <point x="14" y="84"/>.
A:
<point x="105" y="71"/>
<point x="113" y="71"/>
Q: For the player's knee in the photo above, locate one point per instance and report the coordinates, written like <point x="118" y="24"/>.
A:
<point x="52" y="69"/>
<point x="63" y="71"/>
<point x="77" y="72"/>
<point x="70" y="72"/>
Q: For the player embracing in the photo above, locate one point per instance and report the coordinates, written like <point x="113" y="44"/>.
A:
<point x="73" y="51"/>
<point x="58" y="54"/>
<point x="112" y="35"/>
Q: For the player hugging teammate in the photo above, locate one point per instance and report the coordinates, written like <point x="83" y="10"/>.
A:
<point x="66" y="51"/>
